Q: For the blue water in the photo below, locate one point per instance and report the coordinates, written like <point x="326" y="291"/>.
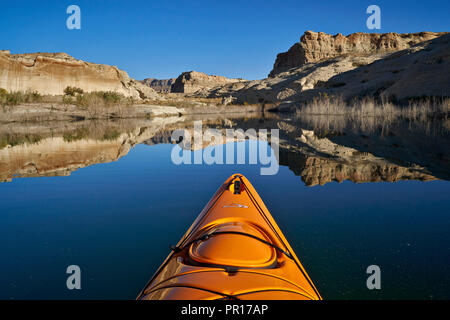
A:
<point x="116" y="221"/>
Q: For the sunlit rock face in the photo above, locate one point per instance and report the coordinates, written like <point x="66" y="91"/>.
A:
<point x="420" y="71"/>
<point x="193" y="81"/>
<point x="365" y="66"/>
<point x="51" y="73"/>
<point x="319" y="46"/>
<point x="159" y="85"/>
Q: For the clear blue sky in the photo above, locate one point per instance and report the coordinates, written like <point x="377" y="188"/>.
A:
<point x="161" y="39"/>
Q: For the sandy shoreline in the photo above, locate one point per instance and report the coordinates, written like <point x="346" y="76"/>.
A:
<point x="60" y="112"/>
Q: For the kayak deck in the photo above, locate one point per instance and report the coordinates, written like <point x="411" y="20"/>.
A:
<point x="233" y="250"/>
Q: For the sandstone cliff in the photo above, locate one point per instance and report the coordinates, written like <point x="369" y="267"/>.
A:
<point x="51" y="73"/>
<point x="319" y="46"/>
<point x="193" y="81"/>
<point x="159" y="85"/>
<point x="421" y="70"/>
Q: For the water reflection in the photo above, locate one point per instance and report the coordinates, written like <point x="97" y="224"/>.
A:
<point x="114" y="218"/>
<point x="319" y="149"/>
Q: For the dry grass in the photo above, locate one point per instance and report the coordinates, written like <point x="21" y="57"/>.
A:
<point x="103" y="99"/>
<point x="98" y="104"/>
<point x="369" y="107"/>
<point x="17" y="139"/>
<point x="330" y="125"/>
<point x="333" y="114"/>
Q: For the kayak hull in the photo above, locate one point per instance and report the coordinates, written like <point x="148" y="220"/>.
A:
<point x="233" y="250"/>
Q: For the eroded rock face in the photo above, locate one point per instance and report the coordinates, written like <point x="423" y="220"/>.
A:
<point x="159" y="85"/>
<point x="51" y="73"/>
<point x="288" y="85"/>
<point x="193" y="81"/>
<point x="319" y="46"/>
<point x="423" y="70"/>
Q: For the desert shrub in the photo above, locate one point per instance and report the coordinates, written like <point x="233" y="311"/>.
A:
<point x="67" y="99"/>
<point x="17" y="139"/>
<point x="89" y="100"/>
<point x="14" y="98"/>
<point x="3" y="96"/>
<point x="17" y="97"/>
<point x="33" y="96"/>
<point x="110" y="134"/>
<point x="3" y="142"/>
<point x="99" y="99"/>
<point x="78" y="134"/>
<point x="72" y="91"/>
<point x="110" y="97"/>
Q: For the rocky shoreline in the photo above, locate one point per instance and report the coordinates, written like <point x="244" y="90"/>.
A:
<point x="59" y="112"/>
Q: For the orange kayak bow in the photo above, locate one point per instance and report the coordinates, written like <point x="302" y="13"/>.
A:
<point x="233" y="250"/>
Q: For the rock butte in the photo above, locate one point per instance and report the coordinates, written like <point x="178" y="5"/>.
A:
<point x="319" y="46"/>
<point x="159" y="85"/>
<point x="51" y="73"/>
<point x="193" y="81"/>
<point x="356" y="69"/>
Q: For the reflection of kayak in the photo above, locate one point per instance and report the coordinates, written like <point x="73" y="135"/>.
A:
<point x="233" y="250"/>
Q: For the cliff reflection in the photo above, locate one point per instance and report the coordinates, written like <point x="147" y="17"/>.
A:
<point x="318" y="149"/>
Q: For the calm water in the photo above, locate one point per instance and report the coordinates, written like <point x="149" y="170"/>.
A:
<point x="116" y="219"/>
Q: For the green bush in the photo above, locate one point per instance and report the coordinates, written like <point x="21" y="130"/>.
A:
<point x="72" y="91"/>
<point x="100" y="99"/>
<point x="17" y="97"/>
<point x="110" y="134"/>
<point x="33" y="96"/>
<point x="78" y="134"/>
<point x="17" y="139"/>
<point x="111" y="97"/>
<point x="67" y="99"/>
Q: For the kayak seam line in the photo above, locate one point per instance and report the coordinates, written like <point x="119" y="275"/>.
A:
<point x="194" y="287"/>
<point x="268" y="290"/>
<point x="279" y="278"/>
<point x="155" y="287"/>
